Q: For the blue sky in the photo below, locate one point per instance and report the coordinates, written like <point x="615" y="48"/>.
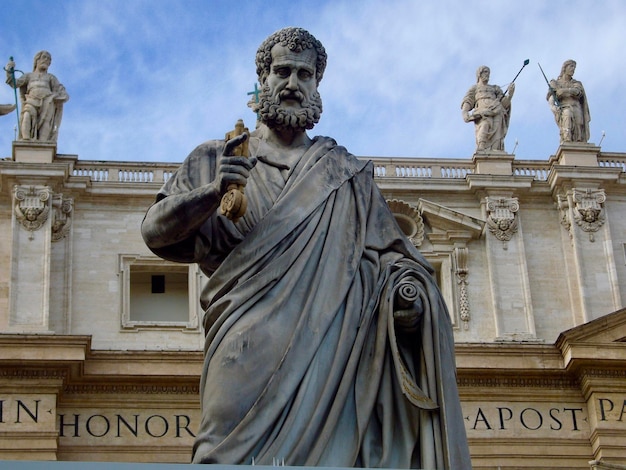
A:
<point x="150" y="79"/>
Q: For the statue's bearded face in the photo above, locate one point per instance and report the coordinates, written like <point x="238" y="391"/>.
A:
<point x="289" y="99"/>
<point x="43" y="63"/>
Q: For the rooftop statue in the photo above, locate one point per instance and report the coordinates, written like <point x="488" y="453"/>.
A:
<point x="328" y="342"/>
<point x="42" y="97"/>
<point x="489" y="109"/>
<point x="568" y="103"/>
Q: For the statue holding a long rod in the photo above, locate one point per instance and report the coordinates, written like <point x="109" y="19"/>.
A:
<point x="42" y="97"/>
<point x="489" y="108"/>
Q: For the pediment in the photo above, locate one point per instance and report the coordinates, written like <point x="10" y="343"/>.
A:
<point x="610" y="328"/>
<point x="445" y="219"/>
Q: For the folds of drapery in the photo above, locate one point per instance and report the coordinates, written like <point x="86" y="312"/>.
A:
<point x="304" y="361"/>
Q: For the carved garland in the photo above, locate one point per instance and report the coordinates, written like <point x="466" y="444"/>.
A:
<point x="462" y="272"/>
<point x="563" y="206"/>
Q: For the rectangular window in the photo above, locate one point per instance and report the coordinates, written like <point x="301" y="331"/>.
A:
<point x="158" y="294"/>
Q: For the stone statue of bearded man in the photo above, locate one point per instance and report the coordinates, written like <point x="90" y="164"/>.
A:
<point x="327" y="340"/>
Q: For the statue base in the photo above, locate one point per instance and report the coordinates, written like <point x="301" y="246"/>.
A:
<point x="26" y="151"/>
<point x="493" y="162"/>
<point x="577" y="154"/>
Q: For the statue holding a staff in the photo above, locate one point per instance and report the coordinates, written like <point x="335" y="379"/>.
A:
<point x="42" y="97"/>
<point x="489" y="108"/>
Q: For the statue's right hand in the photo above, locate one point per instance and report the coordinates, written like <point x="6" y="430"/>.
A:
<point x="233" y="170"/>
<point x="10" y="66"/>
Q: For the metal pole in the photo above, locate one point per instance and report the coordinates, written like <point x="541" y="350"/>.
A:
<point x="526" y="62"/>
<point x="17" y="106"/>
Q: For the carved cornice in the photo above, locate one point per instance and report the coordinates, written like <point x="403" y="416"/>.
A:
<point x="28" y="374"/>
<point x="603" y="373"/>
<point x="608" y="330"/>
<point x="72" y="383"/>
<point x="551" y="382"/>
<point x="143" y="389"/>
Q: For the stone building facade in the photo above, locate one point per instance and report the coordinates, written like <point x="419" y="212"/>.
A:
<point x="101" y="341"/>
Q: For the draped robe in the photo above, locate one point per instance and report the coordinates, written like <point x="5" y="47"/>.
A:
<point x="42" y="96"/>
<point x="572" y="115"/>
<point x="304" y="363"/>
<point x="495" y="111"/>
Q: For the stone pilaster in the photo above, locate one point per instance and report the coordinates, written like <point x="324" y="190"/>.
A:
<point x="508" y="271"/>
<point x="61" y="264"/>
<point x="590" y="260"/>
<point x="30" y="259"/>
<point x="577" y="183"/>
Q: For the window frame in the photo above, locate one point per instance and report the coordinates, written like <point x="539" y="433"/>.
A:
<point x="156" y="265"/>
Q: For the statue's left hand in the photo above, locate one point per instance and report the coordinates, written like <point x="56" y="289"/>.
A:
<point x="408" y="305"/>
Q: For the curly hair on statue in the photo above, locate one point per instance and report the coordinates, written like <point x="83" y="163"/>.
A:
<point x="297" y="40"/>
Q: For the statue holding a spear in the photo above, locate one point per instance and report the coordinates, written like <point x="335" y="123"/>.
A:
<point x="568" y="103"/>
